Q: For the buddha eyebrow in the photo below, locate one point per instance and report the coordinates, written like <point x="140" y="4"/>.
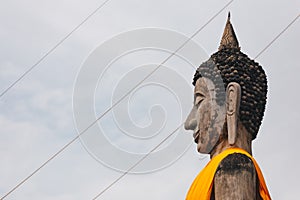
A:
<point x="199" y="94"/>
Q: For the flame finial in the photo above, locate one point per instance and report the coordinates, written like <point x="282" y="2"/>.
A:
<point x="229" y="39"/>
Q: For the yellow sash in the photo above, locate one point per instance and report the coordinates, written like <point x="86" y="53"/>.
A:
<point x="202" y="185"/>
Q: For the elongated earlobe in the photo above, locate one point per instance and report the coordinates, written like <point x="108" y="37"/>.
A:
<point x="233" y="98"/>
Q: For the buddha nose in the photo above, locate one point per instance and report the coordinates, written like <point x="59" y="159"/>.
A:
<point x="191" y="121"/>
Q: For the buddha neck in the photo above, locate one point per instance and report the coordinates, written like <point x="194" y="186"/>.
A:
<point x="243" y="141"/>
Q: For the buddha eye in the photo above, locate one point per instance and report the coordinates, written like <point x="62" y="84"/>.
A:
<point x="198" y="99"/>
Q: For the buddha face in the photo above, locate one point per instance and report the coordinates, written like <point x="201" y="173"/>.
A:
<point x="206" y="118"/>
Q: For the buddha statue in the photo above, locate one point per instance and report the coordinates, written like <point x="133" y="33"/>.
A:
<point x="229" y="102"/>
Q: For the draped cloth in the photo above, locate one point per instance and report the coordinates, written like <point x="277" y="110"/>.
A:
<point x="202" y="186"/>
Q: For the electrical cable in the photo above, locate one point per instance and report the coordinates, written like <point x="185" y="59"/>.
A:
<point x="53" y="49"/>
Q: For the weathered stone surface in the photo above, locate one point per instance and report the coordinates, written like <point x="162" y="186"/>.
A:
<point x="228" y="113"/>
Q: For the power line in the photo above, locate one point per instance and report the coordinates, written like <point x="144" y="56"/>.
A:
<point x="74" y="139"/>
<point x="53" y="49"/>
<point x="138" y="162"/>
<point x="116" y="103"/>
<point x="143" y="158"/>
<point x="277" y="36"/>
<point x="35" y="171"/>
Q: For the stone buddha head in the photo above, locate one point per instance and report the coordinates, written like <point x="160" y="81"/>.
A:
<point x="229" y="98"/>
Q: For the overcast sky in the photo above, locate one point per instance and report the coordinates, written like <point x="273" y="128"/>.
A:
<point x="36" y="115"/>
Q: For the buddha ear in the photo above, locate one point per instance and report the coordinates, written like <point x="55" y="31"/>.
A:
<point x="233" y="98"/>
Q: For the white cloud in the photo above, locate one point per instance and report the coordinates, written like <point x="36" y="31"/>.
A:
<point x="36" y="115"/>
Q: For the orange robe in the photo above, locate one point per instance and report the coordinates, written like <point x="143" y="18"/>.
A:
<point x="201" y="188"/>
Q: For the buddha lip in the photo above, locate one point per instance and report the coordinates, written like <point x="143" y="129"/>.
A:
<point x="196" y="136"/>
